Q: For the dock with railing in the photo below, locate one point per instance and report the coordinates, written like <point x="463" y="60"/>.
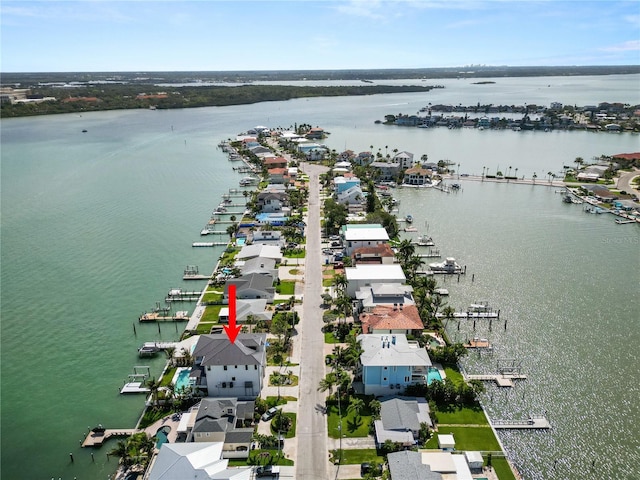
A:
<point x="534" y="422"/>
<point x="98" y="436"/>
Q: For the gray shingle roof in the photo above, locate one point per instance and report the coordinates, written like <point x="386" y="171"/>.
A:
<point x="408" y="465"/>
<point x="216" y="349"/>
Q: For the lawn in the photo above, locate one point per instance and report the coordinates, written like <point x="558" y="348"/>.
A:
<point x="352" y="425"/>
<point x="358" y="455"/>
<point x="454" y="375"/>
<point x="292" y="431"/>
<point x="204" y="328"/>
<point x="468" y="438"/>
<point x="261" y="457"/>
<point x="275" y="401"/>
<point x="167" y="377"/>
<point x="329" y="337"/>
<point x="327" y="282"/>
<point x="295" y="253"/>
<point x="286" y="287"/>
<point x="211" y="313"/>
<point x="502" y="469"/>
<point x="462" y="416"/>
<point x="212" y="296"/>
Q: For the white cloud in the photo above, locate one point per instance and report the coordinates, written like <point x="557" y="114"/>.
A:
<point x="362" y="8"/>
<point x="630" y="46"/>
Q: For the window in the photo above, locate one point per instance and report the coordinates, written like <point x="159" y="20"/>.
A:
<point x="225" y="367"/>
<point x="406" y="379"/>
<point x="233" y="378"/>
<point x="384" y="379"/>
<point x="384" y="368"/>
<point x="246" y="367"/>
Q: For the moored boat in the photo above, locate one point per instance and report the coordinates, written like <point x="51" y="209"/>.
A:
<point x="448" y="266"/>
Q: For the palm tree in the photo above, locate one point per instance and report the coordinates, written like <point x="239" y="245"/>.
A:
<point x="534" y="177"/>
<point x="153" y="385"/>
<point x="121" y="451"/>
<point x="516" y="172"/>
<point x="340" y="282"/>
<point x="343" y="305"/>
<point x="448" y="312"/>
<point x="328" y="383"/>
<point x="578" y="161"/>
<point x="356" y="405"/>
<point x="405" y="250"/>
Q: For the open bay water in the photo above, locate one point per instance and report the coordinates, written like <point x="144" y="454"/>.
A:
<point x="98" y="226"/>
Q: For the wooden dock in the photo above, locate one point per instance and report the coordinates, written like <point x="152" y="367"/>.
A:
<point x="534" y="422"/>
<point x="209" y="244"/>
<point x="478" y="343"/>
<point x="502" y="380"/>
<point x="180" y="316"/>
<point x="472" y="315"/>
<point x="96" y="439"/>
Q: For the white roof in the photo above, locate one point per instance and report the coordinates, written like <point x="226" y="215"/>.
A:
<point x="265" y="251"/>
<point x="400" y="353"/>
<point x="446" y="441"/>
<point x="362" y="234"/>
<point x="462" y="468"/>
<point x="375" y="273"/>
<point x="440" y="462"/>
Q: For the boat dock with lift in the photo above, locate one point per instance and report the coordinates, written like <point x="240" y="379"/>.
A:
<point x="191" y="273"/>
<point x="179" y="295"/>
<point x="137" y="379"/>
<point x="209" y="244"/>
<point x="98" y="435"/>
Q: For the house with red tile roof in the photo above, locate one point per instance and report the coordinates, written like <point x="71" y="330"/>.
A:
<point x="392" y="319"/>
<point x="381" y="253"/>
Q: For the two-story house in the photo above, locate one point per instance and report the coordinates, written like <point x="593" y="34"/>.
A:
<point x="367" y="275"/>
<point x="364" y="236"/>
<point x="226" y="420"/>
<point x="389" y="363"/>
<point x="228" y="369"/>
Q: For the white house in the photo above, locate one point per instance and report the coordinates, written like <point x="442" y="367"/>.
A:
<point x="230" y="369"/>
<point x="405" y="159"/>
<point x="265" y="251"/>
<point x="364" y="275"/>
<point x="177" y="461"/>
<point x="364" y="237"/>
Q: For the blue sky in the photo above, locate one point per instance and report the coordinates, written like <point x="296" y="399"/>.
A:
<point x="96" y="35"/>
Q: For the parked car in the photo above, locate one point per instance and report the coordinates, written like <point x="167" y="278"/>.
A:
<point x="269" y="414"/>
<point x="269" y="471"/>
<point x="334" y="237"/>
<point x="280" y="307"/>
<point x="336" y="243"/>
<point x="327" y="251"/>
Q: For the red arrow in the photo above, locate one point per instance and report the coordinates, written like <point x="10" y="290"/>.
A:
<point x="232" y="329"/>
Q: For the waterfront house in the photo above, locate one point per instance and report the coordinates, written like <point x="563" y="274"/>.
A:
<point x="404" y="159"/>
<point x="226" y="420"/>
<point x="388" y="171"/>
<point x="272" y="200"/>
<point x="315" y="133"/>
<point x="367" y="275"/>
<point x="370" y="296"/>
<point x="392" y="319"/>
<point x="353" y="198"/>
<point x="401" y="419"/>
<point x="278" y="175"/>
<point x="369" y="236"/>
<point x="345" y="183"/>
<point x="251" y="286"/>
<point x="389" y="363"/>
<point x="275" y="162"/>
<point x="177" y="461"/>
<point x="376" y="254"/>
<point x="231" y="369"/>
<point x="408" y="464"/>
<point x="266" y="237"/>
<point x="417" y="176"/>
<point x="364" y="158"/>
<point x="256" y="250"/>
<point x="259" y="265"/>
<point x="246" y="310"/>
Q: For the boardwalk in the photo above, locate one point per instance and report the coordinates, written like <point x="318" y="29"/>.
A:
<point x="96" y="439"/>
<point x="502" y="380"/>
<point x="534" y="422"/>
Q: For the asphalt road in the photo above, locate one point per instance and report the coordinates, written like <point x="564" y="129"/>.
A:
<point x="312" y="460"/>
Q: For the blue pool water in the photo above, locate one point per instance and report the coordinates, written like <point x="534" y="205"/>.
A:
<point x="240" y="241"/>
<point x="182" y="380"/>
<point x="433" y="375"/>
<point x="161" y="436"/>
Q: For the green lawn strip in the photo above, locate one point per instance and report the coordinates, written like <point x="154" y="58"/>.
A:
<point x="256" y="457"/>
<point x="454" y="375"/>
<point x="327" y="282"/>
<point x="211" y="314"/>
<point x="359" y="455"/>
<point x="352" y="425"/>
<point x="275" y="401"/>
<point x="286" y="287"/>
<point x="462" y="416"/>
<point x="469" y="438"/>
<point x="212" y="297"/>
<point x="292" y="431"/>
<point x="329" y="337"/>
<point x="296" y="253"/>
<point x="167" y="377"/>
<point x="294" y="381"/>
<point x="502" y="468"/>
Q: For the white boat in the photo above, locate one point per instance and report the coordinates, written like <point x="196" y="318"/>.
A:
<point x="247" y="181"/>
<point x="424" y="241"/>
<point x="481" y="307"/>
<point x="448" y="266"/>
<point x="443" y="292"/>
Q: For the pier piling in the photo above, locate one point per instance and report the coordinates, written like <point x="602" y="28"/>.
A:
<point x="473" y="277"/>
<point x="71" y="456"/>
<point x="134" y="330"/>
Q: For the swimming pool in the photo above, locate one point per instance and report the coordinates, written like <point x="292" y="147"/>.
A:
<point x="433" y="375"/>
<point x="161" y="435"/>
<point x="182" y="379"/>
<point x="240" y="241"/>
